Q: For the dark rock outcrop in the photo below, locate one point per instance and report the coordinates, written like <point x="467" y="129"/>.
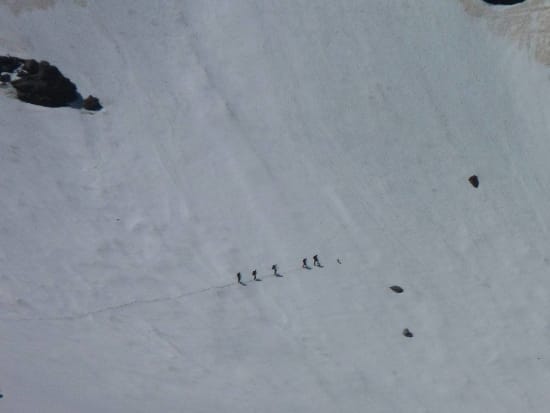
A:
<point x="407" y="333"/>
<point x="43" y="84"/>
<point x="474" y="181"/>
<point x="504" y="2"/>
<point x="30" y="67"/>
<point x="91" y="103"/>
<point x="397" y="289"/>
<point x="9" y="63"/>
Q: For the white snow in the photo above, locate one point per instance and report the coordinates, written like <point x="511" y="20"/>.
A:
<point x="241" y="134"/>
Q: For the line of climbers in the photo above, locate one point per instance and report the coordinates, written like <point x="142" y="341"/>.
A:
<point x="274" y="268"/>
<point x="316" y="263"/>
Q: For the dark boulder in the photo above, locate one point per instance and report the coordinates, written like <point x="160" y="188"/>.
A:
<point x="474" y="181"/>
<point x="5" y="78"/>
<point x="397" y="289"/>
<point x="9" y="63"/>
<point x="46" y="87"/>
<point x="407" y="333"/>
<point x="91" y="103"/>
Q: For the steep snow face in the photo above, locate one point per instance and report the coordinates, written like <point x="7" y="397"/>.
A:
<point x="241" y="134"/>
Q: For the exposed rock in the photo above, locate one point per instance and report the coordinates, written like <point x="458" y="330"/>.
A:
<point x="504" y="2"/>
<point x="9" y="63"/>
<point x="40" y="83"/>
<point x="474" y="181"/>
<point x="30" y="66"/>
<point x="397" y="289"/>
<point x="407" y="333"/>
<point x="46" y="87"/>
<point x="91" y="103"/>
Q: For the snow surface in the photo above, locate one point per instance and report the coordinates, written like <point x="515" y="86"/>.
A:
<point x="241" y="134"/>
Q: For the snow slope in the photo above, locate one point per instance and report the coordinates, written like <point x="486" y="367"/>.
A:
<point x="245" y="133"/>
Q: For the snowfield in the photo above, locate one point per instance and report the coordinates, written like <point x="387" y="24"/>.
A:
<point x="237" y="135"/>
